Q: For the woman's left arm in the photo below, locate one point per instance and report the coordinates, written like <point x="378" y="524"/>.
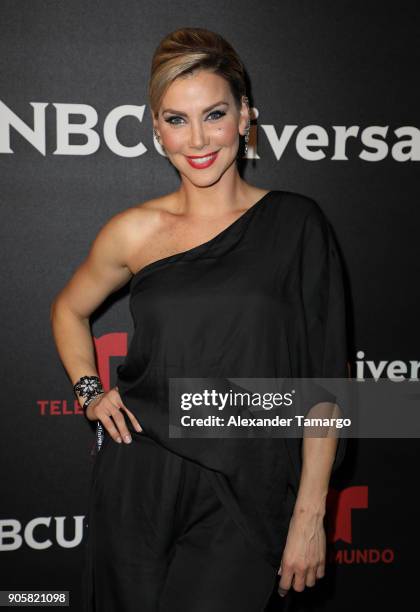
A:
<point x="304" y="555"/>
<point x="324" y="307"/>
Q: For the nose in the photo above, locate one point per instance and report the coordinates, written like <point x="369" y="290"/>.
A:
<point x="198" y="138"/>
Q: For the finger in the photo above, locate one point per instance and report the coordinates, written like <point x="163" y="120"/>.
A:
<point x="108" y="423"/>
<point x="285" y="580"/>
<point x="310" y="577"/>
<point x="299" y="580"/>
<point x="279" y="572"/>
<point x="122" y="426"/>
<point x="132" y="418"/>
<point x="320" y="572"/>
<point x="119" y="404"/>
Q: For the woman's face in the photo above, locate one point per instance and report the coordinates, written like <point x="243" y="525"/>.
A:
<point x="198" y="117"/>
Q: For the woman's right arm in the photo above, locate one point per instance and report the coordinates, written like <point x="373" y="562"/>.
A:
<point x="102" y="272"/>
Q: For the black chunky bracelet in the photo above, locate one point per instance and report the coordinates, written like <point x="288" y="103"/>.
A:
<point x="87" y="386"/>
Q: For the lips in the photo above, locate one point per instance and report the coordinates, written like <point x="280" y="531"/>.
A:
<point x="203" y="161"/>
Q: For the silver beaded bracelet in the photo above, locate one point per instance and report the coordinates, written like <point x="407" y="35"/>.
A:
<point x="99" y="427"/>
<point x="90" y="387"/>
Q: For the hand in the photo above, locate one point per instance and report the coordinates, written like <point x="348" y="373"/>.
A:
<point x="303" y="558"/>
<point x="106" y="408"/>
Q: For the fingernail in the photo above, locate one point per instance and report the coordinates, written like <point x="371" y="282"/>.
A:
<point x="127" y="438"/>
<point x="119" y="439"/>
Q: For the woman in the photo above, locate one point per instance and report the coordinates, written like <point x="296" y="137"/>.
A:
<point x="227" y="280"/>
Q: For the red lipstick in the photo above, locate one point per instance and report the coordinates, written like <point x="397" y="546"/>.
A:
<point x="202" y="161"/>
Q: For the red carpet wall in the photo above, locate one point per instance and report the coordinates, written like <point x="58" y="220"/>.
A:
<point x="334" y="86"/>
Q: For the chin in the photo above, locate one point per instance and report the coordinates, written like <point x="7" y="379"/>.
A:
<point x="207" y="181"/>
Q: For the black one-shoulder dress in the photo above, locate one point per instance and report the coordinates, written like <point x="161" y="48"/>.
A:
<point x="201" y="524"/>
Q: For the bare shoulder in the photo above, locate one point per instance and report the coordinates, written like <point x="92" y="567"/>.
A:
<point x="149" y="212"/>
<point x="139" y="223"/>
<point x="141" y="226"/>
<point x="112" y="257"/>
<point x="133" y="222"/>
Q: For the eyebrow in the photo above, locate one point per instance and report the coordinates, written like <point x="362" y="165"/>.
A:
<point x="175" y="112"/>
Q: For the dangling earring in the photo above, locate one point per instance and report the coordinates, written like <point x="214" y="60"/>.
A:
<point x="156" y="133"/>
<point x="248" y="127"/>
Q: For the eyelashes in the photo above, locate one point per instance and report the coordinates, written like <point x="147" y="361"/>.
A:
<point x="217" y="112"/>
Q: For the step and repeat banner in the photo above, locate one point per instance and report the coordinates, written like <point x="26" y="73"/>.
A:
<point x="335" y="98"/>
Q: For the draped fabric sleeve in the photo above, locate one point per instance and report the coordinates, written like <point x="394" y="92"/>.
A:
<point x="324" y="315"/>
<point x="324" y="305"/>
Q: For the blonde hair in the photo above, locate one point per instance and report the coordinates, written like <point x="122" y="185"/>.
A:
<point x="188" y="49"/>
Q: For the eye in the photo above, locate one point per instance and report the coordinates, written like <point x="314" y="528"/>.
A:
<point x="217" y="112"/>
<point x="170" y="120"/>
